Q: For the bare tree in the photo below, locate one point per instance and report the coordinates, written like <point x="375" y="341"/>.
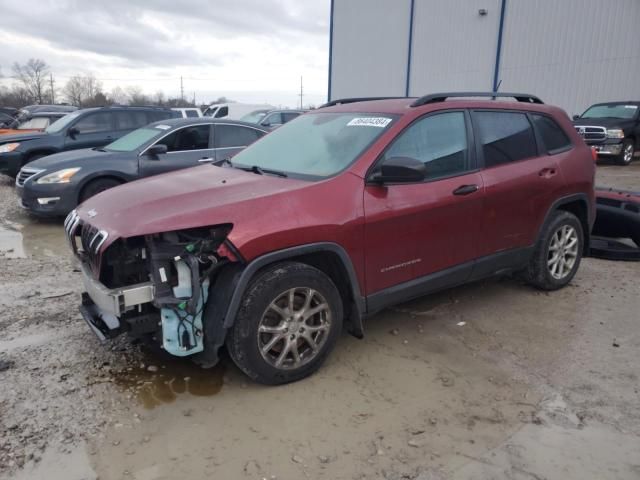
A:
<point x="159" y="98"/>
<point x="84" y="91"/>
<point x="137" y="96"/>
<point x="33" y="77"/>
<point x="118" y="96"/>
<point x="74" y="90"/>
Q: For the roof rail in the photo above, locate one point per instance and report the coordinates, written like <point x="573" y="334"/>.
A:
<point x="441" y="97"/>
<point x="342" y="101"/>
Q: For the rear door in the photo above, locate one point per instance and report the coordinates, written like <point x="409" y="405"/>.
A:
<point x="127" y="121"/>
<point x="231" y="139"/>
<point x="186" y="147"/>
<point x="94" y="130"/>
<point x="415" y="230"/>
<point x="521" y="180"/>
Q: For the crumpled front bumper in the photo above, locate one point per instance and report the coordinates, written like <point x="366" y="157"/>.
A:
<point x="102" y="306"/>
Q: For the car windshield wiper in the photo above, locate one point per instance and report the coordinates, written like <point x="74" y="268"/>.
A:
<point x="259" y="170"/>
<point x="262" y="171"/>
<point x="97" y="149"/>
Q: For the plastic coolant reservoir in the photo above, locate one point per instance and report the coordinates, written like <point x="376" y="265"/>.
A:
<point x="176" y="321"/>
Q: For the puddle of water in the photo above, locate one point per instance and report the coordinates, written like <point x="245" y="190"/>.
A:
<point x="172" y="379"/>
<point x="11" y="244"/>
<point x="32" y="237"/>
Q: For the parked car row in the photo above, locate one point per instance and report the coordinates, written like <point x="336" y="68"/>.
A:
<point x="270" y="252"/>
<point x="56" y="184"/>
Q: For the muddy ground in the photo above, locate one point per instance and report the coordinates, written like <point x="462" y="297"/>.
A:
<point x="489" y="381"/>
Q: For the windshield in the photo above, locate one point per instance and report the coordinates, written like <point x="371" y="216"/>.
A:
<point x="611" y="111"/>
<point x="61" y="123"/>
<point x="136" y="139"/>
<point x="316" y="145"/>
<point x="34" y="123"/>
<point x="254" y="117"/>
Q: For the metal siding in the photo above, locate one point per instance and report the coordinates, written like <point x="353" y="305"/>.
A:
<point x="369" y="48"/>
<point x="454" y="47"/>
<point x="572" y="53"/>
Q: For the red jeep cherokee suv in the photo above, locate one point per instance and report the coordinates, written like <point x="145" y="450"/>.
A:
<point x="343" y="211"/>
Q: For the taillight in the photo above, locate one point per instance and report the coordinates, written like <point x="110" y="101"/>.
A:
<point x="594" y="154"/>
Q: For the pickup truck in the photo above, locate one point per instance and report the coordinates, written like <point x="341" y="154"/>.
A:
<point x="613" y="129"/>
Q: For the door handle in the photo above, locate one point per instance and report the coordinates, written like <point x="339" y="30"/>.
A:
<point x="466" y="189"/>
<point x="205" y="160"/>
<point x="547" y="172"/>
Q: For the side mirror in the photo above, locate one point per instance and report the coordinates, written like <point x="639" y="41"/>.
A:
<point x="73" y="132"/>
<point x="399" y="170"/>
<point x="157" y="149"/>
<point x="576" y="117"/>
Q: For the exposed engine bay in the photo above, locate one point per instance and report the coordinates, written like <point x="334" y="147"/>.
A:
<point x="156" y="287"/>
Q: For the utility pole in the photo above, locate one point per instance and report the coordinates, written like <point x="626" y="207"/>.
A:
<point x="194" y="99"/>
<point x="53" y="94"/>
<point x="301" y="92"/>
<point x="181" y="90"/>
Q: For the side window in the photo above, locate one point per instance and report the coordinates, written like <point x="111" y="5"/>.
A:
<point x="505" y="137"/>
<point x="273" y="119"/>
<point x="188" y="138"/>
<point x="289" y="116"/>
<point x="439" y="141"/>
<point x="222" y="112"/>
<point x="229" y="136"/>
<point x="131" y="120"/>
<point x="94" y="123"/>
<point x="191" y="113"/>
<point x="552" y="135"/>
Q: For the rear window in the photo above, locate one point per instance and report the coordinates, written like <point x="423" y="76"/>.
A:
<point x="505" y="137"/>
<point x="222" y="112"/>
<point x="552" y="135"/>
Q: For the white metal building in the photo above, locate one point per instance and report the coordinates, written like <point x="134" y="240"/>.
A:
<point x="571" y="53"/>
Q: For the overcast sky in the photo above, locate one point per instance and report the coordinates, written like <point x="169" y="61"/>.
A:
<point x="248" y="50"/>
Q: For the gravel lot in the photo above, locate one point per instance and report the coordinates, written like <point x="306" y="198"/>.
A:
<point x="491" y="380"/>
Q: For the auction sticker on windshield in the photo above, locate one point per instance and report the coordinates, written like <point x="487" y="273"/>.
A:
<point x="380" y="122"/>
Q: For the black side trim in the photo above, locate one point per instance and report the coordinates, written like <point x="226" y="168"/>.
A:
<point x="292" y="252"/>
<point x="495" y="264"/>
<point x="502" y="262"/>
<point x="419" y="287"/>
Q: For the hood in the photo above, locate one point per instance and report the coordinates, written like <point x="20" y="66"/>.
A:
<point x="13" y="131"/>
<point x="70" y="158"/>
<point x="605" y="122"/>
<point x="193" y="197"/>
<point x="21" y="137"/>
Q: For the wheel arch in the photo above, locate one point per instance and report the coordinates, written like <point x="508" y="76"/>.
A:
<point x="97" y="176"/>
<point x="328" y="257"/>
<point x="578" y="205"/>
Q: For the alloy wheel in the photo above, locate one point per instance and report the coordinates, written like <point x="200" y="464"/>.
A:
<point x="563" y="252"/>
<point x="294" y="327"/>
<point x="628" y="153"/>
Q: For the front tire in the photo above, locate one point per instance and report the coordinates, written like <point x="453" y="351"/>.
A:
<point x="289" y="321"/>
<point x="628" y="151"/>
<point x="557" y="254"/>
<point x="96" y="186"/>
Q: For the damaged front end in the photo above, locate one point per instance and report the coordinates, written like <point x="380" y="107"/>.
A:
<point x="153" y="287"/>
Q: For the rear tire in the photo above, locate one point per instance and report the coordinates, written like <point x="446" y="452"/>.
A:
<point x="289" y="321"/>
<point x="96" y="186"/>
<point x="628" y="151"/>
<point x="558" y="252"/>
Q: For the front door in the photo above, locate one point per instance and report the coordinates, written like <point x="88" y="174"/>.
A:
<point x="92" y="130"/>
<point x="186" y="147"/>
<point x="415" y="230"/>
